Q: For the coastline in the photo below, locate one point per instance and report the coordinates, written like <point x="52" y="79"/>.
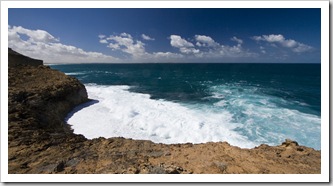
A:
<point x="39" y="100"/>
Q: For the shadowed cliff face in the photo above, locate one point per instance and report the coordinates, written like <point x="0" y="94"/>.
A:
<point x="15" y="58"/>
<point x="39" y="141"/>
<point x="48" y="94"/>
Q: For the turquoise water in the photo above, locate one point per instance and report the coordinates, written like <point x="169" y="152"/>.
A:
<point x="251" y="103"/>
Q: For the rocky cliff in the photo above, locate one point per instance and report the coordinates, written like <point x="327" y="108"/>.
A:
<point x="40" y="142"/>
<point x="15" y="58"/>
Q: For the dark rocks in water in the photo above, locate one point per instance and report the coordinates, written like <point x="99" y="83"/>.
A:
<point x="15" y="58"/>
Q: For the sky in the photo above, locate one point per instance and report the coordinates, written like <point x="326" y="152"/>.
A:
<point x="219" y="35"/>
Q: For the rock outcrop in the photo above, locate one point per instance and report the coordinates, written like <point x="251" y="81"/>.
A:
<point x="15" y="58"/>
<point x="40" y="142"/>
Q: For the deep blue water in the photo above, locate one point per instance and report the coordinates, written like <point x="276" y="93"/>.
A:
<point x="263" y="98"/>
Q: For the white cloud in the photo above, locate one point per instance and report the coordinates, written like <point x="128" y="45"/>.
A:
<point x="233" y="51"/>
<point x="290" y="43"/>
<point x="205" y="41"/>
<point x="145" y="37"/>
<point x="126" y="43"/>
<point x="184" y="46"/>
<point x="126" y="35"/>
<point x="167" y="55"/>
<point x="113" y="46"/>
<point x="239" y="41"/>
<point x="270" y="38"/>
<point x="262" y="49"/>
<point x="189" y="50"/>
<point x="209" y="48"/>
<point x="101" y="36"/>
<point x="287" y="43"/>
<point x="213" y="49"/>
<point x="42" y="45"/>
<point x="256" y="38"/>
<point x="104" y="41"/>
<point x="302" y="48"/>
<point x="34" y="35"/>
<point x="178" y="42"/>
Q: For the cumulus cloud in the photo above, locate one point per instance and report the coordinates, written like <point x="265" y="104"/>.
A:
<point x="167" y="55"/>
<point x="145" y="37"/>
<point x="205" y="41"/>
<point x="126" y="35"/>
<point x="178" y="42"/>
<point x="34" y="35"/>
<point x="184" y="46"/>
<point x="189" y="50"/>
<point x="212" y="49"/>
<point x="104" y="41"/>
<point x="287" y="43"/>
<point x="42" y="45"/>
<point x="239" y="41"/>
<point x="220" y="50"/>
<point x="302" y="48"/>
<point x="270" y="38"/>
<point x="233" y="51"/>
<point x="125" y="43"/>
<point x="101" y="36"/>
<point x="205" y="47"/>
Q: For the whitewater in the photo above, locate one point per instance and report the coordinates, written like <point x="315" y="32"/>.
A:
<point x="169" y="106"/>
<point x="117" y="112"/>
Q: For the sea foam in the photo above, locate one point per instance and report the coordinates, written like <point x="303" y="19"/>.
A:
<point x="266" y="118"/>
<point x="119" y="112"/>
<point x="244" y="120"/>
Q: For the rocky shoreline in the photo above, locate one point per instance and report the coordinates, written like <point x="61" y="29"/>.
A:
<point x="39" y="141"/>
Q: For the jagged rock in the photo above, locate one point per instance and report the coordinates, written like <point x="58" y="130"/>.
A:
<point x="60" y="167"/>
<point x="290" y="142"/>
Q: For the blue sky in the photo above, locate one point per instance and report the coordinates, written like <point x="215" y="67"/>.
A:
<point x="167" y="35"/>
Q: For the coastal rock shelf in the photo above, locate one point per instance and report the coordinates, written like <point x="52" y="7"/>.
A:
<point x="39" y="141"/>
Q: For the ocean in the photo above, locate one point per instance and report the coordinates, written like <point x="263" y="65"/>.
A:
<point x="243" y="104"/>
